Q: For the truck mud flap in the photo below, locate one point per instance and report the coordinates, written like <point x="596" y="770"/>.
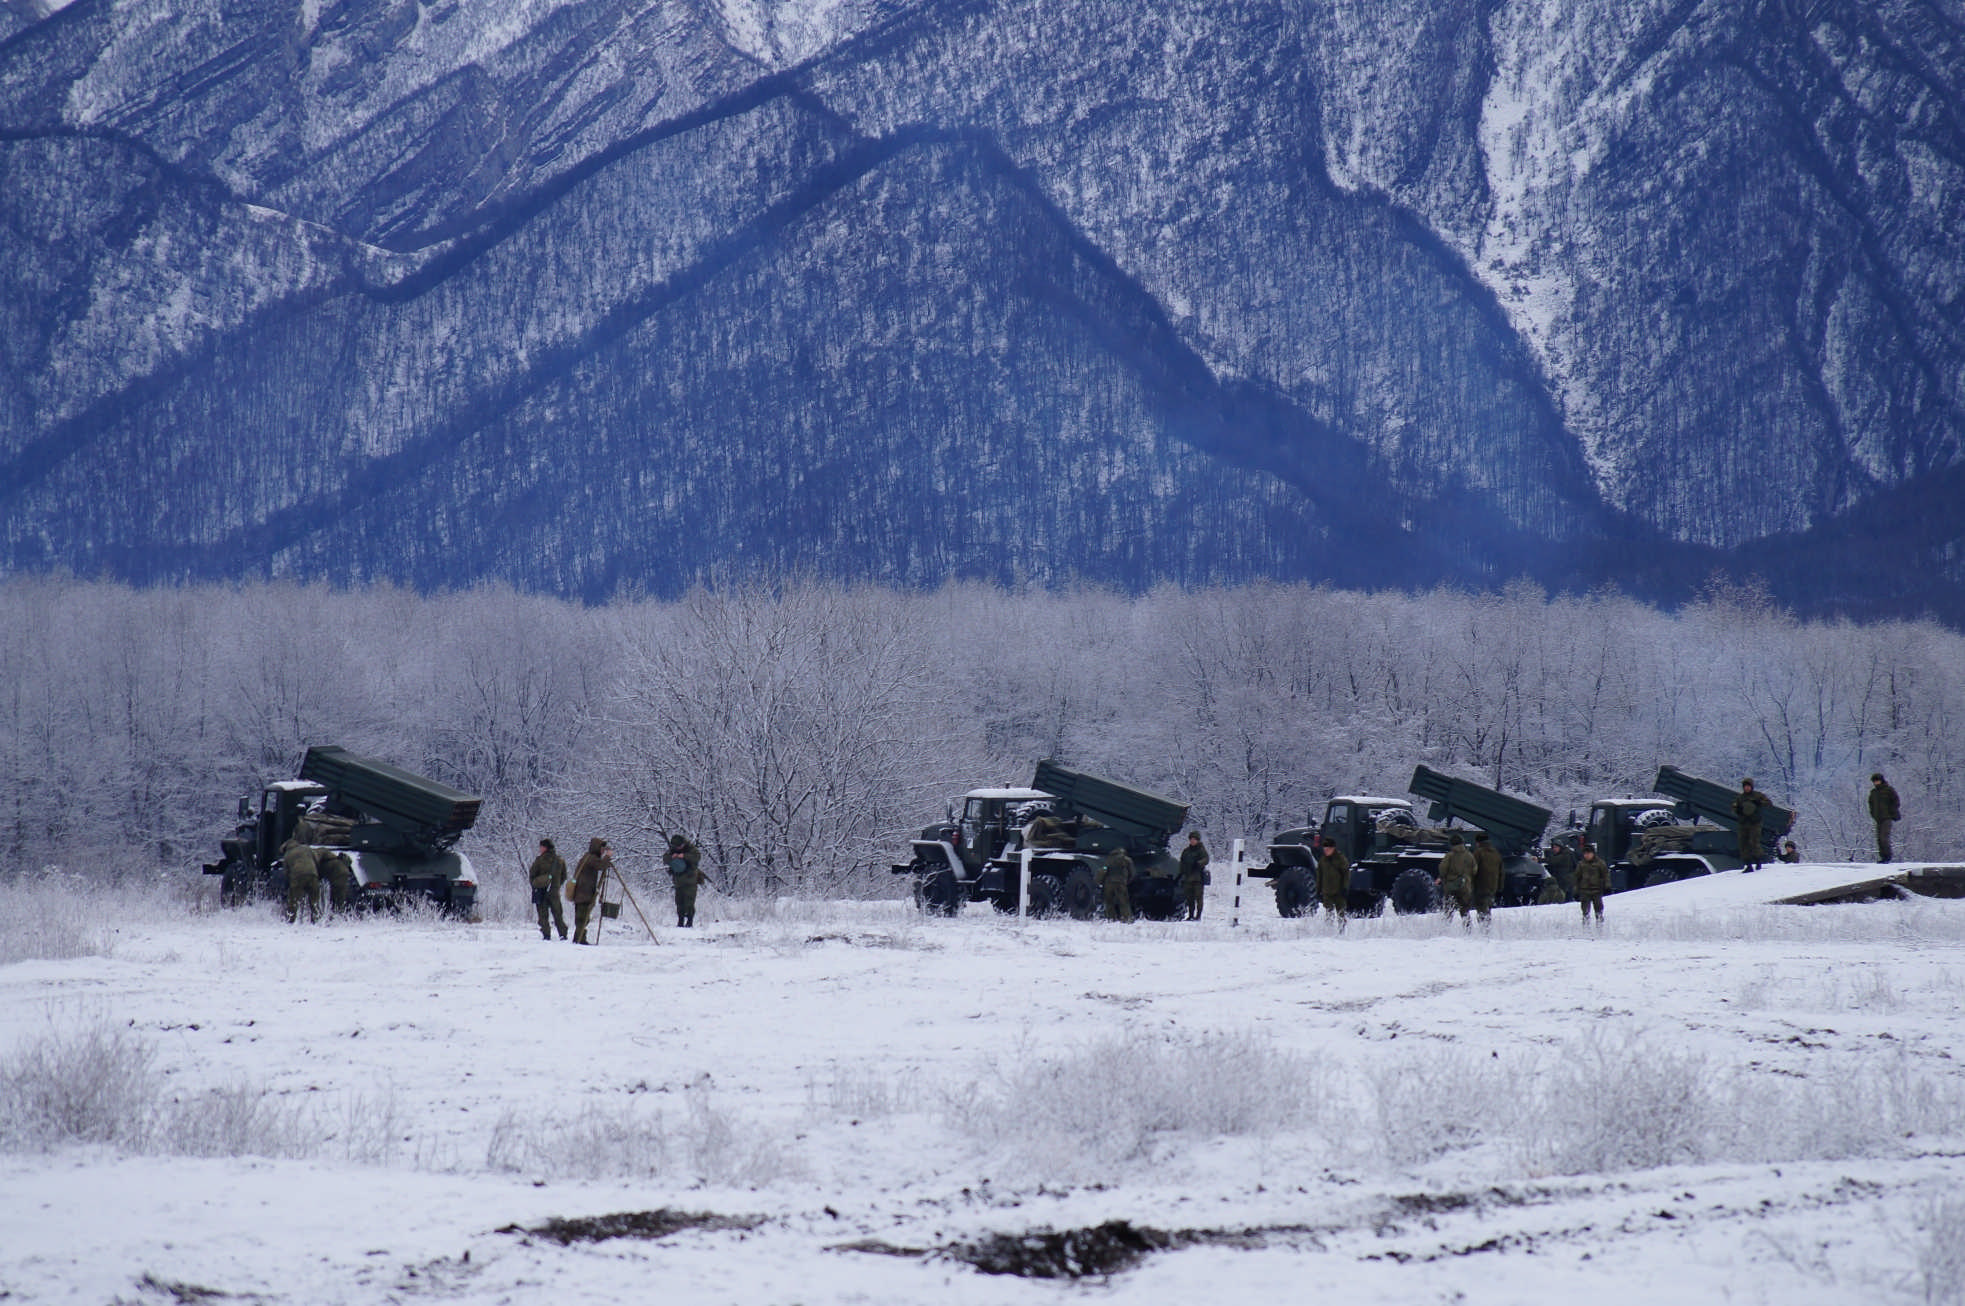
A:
<point x="939" y="854"/>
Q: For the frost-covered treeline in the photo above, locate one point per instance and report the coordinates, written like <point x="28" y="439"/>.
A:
<point x="801" y="733"/>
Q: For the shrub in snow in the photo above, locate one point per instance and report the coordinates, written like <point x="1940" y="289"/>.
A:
<point x="96" y="1086"/>
<point x="707" y="1145"/>
<point x="1113" y="1100"/>
<point x="237" y="1120"/>
<point x="1939" y="1252"/>
<point x="858" y="1092"/>
<point x="1428" y="1104"/>
<point x="1616" y="1100"/>
<point x="594" y="1142"/>
<point x="101" y="1086"/>
<point x="45" y="920"/>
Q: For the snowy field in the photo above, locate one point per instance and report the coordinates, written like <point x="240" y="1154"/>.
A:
<point x="1711" y="1100"/>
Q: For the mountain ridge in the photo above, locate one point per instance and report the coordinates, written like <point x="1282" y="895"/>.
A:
<point x="1355" y="335"/>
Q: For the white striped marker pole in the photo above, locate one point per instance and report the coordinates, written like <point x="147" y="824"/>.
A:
<point x="1023" y="887"/>
<point x="1235" y="915"/>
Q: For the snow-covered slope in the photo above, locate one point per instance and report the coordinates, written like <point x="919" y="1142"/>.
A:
<point x="619" y="293"/>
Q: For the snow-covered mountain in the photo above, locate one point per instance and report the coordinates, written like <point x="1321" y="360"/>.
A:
<point x="618" y="294"/>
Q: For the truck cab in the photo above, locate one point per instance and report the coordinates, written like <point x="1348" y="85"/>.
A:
<point x="1362" y="826"/>
<point x="992" y="821"/>
<point x="1612" y="828"/>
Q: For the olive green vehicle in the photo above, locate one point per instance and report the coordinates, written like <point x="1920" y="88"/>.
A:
<point x="399" y="831"/>
<point x="1068" y="822"/>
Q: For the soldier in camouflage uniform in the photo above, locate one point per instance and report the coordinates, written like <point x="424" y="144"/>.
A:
<point x="303" y="880"/>
<point x="1560" y="862"/>
<point x="685" y="876"/>
<point x="1457" y="880"/>
<point x="594" y="864"/>
<point x="1334" y="882"/>
<point x="1487" y="877"/>
<point x="1592" y="882"/>
<point x="547" y="876"/>
<point x="1194" y="873"/>
<point x="1116" y="878"/>
<point x="1749" y="807"/>
<point x="340" y="873"/>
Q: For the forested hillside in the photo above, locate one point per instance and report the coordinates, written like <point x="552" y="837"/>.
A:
<point x="614" y="297"/>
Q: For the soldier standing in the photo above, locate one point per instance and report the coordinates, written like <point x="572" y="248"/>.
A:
<point x="1194" y="873"/>
<point x="1749" y="805"/>
<point x="1457" y="880"/>
<point x="1592" y="882"/>
<point x="585" y="887"/>
<point x="340" y="874"/>
<point x="548" y="878"/>
<point x="1885" y="810"/>
<point x="1561" y="864"/>
<point x="685" y="876"/>
<point x="1334" y="881"/>
<point x="303" y="880"/>
<point x="1116" y="878"/>
<point x="1487" y="877"/>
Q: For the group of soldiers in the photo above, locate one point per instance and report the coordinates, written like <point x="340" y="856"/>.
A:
<point x="306" y="867"/>
<point x="1115" y="880"/>
<point x="583" y="887"/>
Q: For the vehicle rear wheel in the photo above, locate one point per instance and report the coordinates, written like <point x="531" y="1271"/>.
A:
<point x="1046" y="891"/>
<point x="1414" y="893"/>
<point x="1293" y="895"/>
<point x="1661" y="873"/>
<point x="1081" y="895"/>
<point x="235" y="884"/>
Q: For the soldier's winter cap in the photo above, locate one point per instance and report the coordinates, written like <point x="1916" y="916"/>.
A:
<point x="1453" y="841"/>
<point x="1747" y="783"/>
<point x="1878" y="777"/>
<point x="1481" y="837"/>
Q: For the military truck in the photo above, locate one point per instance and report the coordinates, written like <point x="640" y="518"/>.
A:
<point x="1396" y="860"/>
<point x="1069" y="821"/>
<point x="398" y="829"/>
<point x="1646" y="841"/>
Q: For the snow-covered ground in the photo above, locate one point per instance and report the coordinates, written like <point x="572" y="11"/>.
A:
<point x="1709" y="1100"/>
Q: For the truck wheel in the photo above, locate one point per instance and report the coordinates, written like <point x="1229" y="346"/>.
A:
<point x="235" y="884"/>
<point x="1046" y="891"/>
<point x="1661" y="873"/>
<point x="1081" y="896"/>
<point x="937" y="893"/>
<point x="1293" y="896"/>
<point x="1414" y="893"/>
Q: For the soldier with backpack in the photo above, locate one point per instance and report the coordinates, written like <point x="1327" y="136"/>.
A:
<point x="685" y="877"/>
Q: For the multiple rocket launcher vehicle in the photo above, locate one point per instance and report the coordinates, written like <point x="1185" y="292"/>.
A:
<point x="977" y="855"/>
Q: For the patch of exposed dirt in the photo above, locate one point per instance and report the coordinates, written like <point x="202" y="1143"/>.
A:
<point x="1096" y="1252"/>
<point x="1100" y="1250"/>
<point x="631" y="1224"/>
